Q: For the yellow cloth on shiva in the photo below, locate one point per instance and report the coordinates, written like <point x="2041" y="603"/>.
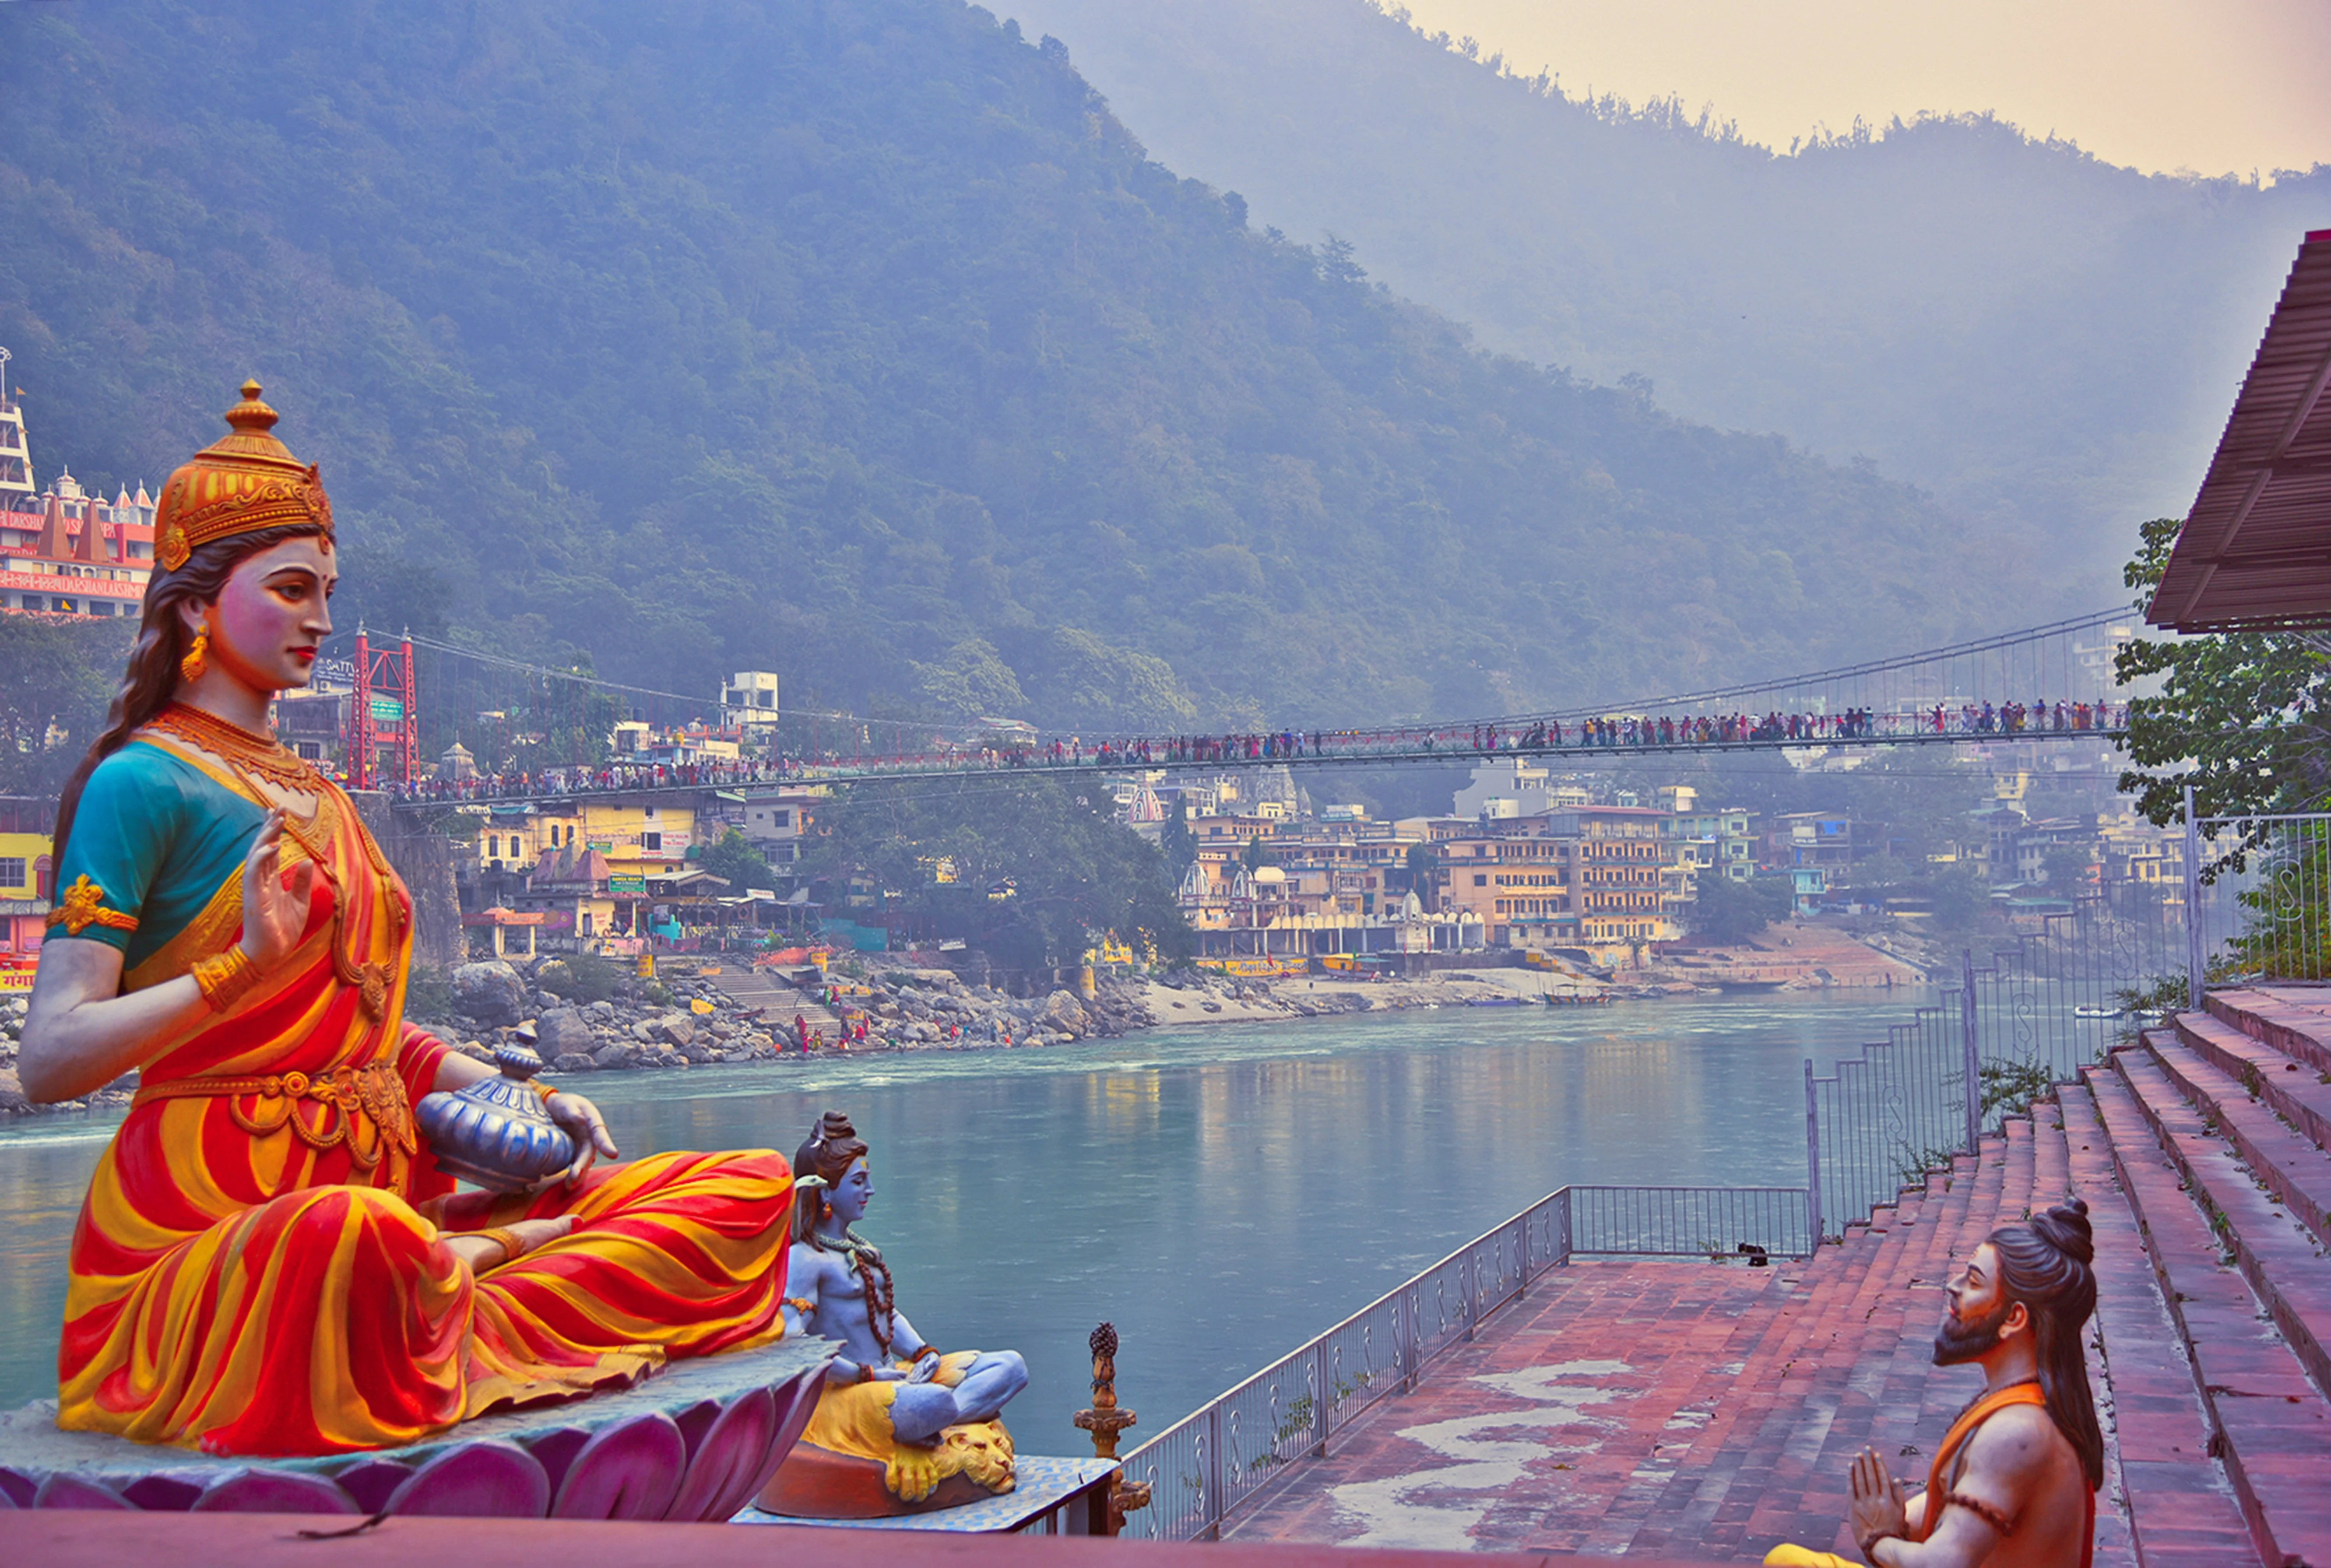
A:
<point x="1787" y="1556"/>
<point x="855" y="1419"/>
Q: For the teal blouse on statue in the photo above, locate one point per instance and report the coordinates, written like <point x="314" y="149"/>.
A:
<point x="155" y="841"/>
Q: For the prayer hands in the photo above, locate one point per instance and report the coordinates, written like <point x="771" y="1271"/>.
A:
<point x="274" y="917"/>
<point x="1878" y="1507"/>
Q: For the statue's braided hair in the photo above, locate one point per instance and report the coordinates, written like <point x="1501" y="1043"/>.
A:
<point x="2046" y="1264"/>
<point x="833" y="1148"/>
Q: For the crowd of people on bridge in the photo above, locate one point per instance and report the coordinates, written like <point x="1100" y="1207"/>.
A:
<point x="1971" y="721"/>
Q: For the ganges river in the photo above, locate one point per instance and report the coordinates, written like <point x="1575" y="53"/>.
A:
<point x="1221" y="1193"/>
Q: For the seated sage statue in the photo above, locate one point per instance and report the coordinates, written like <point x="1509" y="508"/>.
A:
<point x="895" y="1409"/>
<point x="270" y="1260"/>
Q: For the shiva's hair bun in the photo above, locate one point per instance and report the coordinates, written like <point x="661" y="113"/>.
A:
<point x="2066" y="1228"/>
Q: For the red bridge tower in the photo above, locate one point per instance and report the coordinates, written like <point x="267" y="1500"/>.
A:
<point x="384" y="718"/>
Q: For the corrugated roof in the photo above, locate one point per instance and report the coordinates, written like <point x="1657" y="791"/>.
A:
<point x="2255" y="551"/>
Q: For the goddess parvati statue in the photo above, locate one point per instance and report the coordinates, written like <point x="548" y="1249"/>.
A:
<point x="269" y="1260"/>
<point x="900" y="1426"/>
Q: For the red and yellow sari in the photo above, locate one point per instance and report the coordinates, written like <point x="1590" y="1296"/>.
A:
<point x="257" y="1268"/>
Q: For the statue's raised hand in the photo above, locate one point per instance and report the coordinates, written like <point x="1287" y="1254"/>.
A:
<point x="274" y="917"/>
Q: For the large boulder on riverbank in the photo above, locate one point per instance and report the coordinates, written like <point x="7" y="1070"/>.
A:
<point x="1062" y="1013"/>
<point x="491" y="991"/>
<point x="565" y="1032"/>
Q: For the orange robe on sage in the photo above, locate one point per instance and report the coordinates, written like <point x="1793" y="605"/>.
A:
<point x="258" y="1268"/>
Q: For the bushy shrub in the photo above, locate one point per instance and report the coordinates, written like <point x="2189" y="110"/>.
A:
<point x="427" y="994"/>
<point x="582" y="977"/>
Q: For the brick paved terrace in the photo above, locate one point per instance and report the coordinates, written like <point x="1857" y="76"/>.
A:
<point x="1667" y="1410"/>
<point x="1669" y="1413"/>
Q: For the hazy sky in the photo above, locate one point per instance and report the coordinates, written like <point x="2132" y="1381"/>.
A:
<point x="2215" y="86"/>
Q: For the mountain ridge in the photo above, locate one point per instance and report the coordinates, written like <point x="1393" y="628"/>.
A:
<point x="2042" y="340"/>
<point x="861" y="341"/>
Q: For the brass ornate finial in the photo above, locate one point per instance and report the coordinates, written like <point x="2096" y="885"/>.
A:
<point x="1105" y="1420"/>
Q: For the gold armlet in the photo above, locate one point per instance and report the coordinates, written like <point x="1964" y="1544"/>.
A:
<point x="545" y="1091"/>
<point x="513" y="1247"/>
<point x="223" y="979"/>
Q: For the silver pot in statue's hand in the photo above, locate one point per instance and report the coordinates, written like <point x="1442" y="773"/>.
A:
<point x="496" y="1132"/>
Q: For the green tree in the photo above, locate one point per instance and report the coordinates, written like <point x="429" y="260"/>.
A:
<point x="57" y="678"/>
<point x="1175" y="842"/>
<point x="1422" y="863"/>
<point x="970" y="682"/>
<point x="733" y="858"/>
<point x="1730" y="913"/>
<point x="1960" y="898"/>
<point x="1257" y="855"/>
<point x="1040" y="870"/>
<point x="2244" y="717"/>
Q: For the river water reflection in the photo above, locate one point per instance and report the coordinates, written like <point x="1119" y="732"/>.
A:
<point x="1221" y="1193"/>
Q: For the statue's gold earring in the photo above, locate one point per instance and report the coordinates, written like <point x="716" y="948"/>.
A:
<point x="191" y="668"/>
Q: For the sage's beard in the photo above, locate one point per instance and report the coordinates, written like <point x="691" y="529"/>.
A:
<point x="1957" y="1343"/>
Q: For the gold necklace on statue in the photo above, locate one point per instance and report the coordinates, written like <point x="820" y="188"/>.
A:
<point x="245" y="752"/>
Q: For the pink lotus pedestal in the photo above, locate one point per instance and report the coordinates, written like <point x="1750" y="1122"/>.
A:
<point x="695" y="1442"/>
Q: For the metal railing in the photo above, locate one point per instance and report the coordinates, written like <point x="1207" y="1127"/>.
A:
<point x="2260" y="893"/>
<point x="2256" y="904"/>
<point x="1204" y="1468"/>
<point x="2030" y="1014"/>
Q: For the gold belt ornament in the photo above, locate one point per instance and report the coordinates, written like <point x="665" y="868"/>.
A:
<point x="374" y="1092"/>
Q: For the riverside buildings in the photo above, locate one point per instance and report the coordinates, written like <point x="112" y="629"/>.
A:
<point x="63" y="551"/>
<point x="1524" y="862"/>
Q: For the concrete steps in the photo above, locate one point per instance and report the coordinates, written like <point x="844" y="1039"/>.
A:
<point x="2295" y="1022"/>
<point x="2201" y="1153"/>
<point x="2172" y="1506"/>
<point x="2245" y="1170"/>
<point x="2269" y="1424"/>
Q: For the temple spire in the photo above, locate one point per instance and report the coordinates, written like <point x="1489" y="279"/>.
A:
<point x="55" y="543"/>
<point x="16" y="451"/>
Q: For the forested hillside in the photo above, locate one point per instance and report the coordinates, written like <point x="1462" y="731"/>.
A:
<point x="2047" y="342"/>
<point x="856" y="339"/>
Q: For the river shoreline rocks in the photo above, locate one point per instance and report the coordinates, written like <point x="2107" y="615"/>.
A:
<point x="738" y="1015"/>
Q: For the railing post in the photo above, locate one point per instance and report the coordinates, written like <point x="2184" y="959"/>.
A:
<point x="1468" y="1280"/>
<point x="1320" y="1398"/>
<point x="1813" y="1164"/>
<point x="1523" y="1288"/>
<point x="1569" y="1234"/>
<point x="1971" y="1050"/>
<point x="1214" y="1508"/>
<point x="2196" y="980"/>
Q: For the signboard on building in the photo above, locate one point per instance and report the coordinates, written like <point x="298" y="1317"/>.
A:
<point x="628" y="887"/>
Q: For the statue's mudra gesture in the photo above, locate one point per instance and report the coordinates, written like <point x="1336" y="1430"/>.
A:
<point x="2013" y="1483"/>
<point x="270" y="1260"/>
<point x="895" y="1409"/>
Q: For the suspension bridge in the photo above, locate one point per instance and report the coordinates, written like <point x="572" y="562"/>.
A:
<point x="533" y="732"/>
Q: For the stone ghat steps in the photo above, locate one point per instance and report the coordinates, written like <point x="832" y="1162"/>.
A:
<point x="1845" y="1366"/>
<point x="1727" y="1427"/>
<point x="2265" y="1185"/>
<point x="2172" y="1505"/>
<point x="2295" y="1022"/>
<point x="2242" y="1279"/>
<point x="778" y="1001"/>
